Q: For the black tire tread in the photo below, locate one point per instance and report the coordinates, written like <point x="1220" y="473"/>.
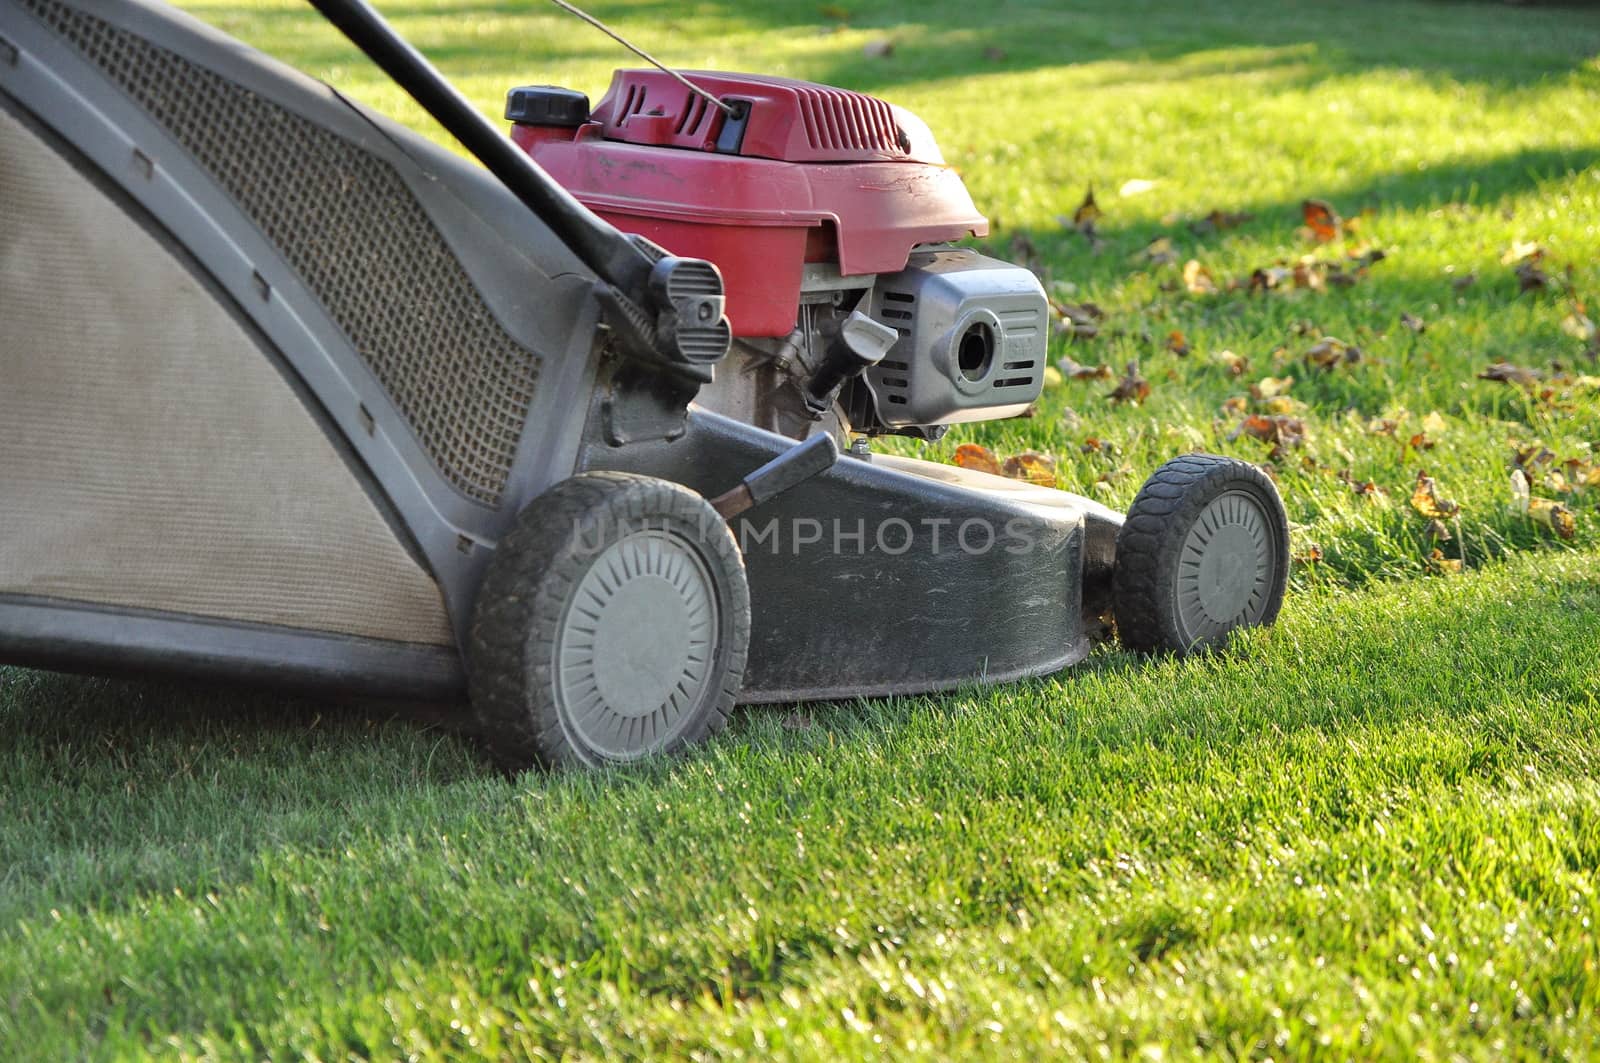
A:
<point x="521" y="602"/>
<point x="1153" y="532"/>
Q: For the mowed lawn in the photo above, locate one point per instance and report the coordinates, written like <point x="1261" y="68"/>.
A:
<point x="1370" y="831"/>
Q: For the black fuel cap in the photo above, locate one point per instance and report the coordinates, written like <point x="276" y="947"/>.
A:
<point x="547" y="105"/>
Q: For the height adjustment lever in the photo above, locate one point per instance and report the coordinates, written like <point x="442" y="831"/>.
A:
<point x="790" y="469"/>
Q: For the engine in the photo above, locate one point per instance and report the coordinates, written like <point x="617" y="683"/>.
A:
<point x="832" y="216"/>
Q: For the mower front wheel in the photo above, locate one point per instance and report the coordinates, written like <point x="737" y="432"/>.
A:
<point x="612" y="625"/>
<point x="1204" y="550"/>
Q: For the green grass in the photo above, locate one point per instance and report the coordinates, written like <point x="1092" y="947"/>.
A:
<point x="1370" y="831"/>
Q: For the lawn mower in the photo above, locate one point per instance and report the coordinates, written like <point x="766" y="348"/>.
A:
<point x="290" y="395"/>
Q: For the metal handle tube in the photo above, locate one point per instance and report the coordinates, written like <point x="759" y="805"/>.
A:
<point x="598" y="244"/>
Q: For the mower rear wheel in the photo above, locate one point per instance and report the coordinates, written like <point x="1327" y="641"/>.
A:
<point x="612" y="625"/>
<point x="1204" y="550"/>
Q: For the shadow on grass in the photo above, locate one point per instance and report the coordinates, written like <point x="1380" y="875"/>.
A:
<point x="1487" y="43"/>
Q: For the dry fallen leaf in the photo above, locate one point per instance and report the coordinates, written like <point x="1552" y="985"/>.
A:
<point x="1268" y="277"/>
<point x="1425" y="499"/>
<point x="1367" y="489"/>
<point x="1282" y="431"/>
<point x="1311" y="555"/>
<point x="1435" y="423"/>
<point x="1270" y="387"/>
<point x="1440" y="565"/>
<point x="977" y="457"/>
<point x="1553" y="515"/>
<point x="1178" y="344"/>
<point x="1132" y="387"/>
<point x="1437" y="532"/>
<point x="1323" y="221"/>
<point x="1413" y="322"/>
<point x="1073" y="371"/>
<point x="878" y="49"/>
<point x="1087" y="214"/>
<point x="1197" y="278"/>
<point x="1331" y="351"/>
<point x="1159" y="252"/>
<point x="1507" y="373"/>
<point x="1218" y="221"/>
<point x="1235" y="364"/>
<point x="1033" y="467"/>
<point x="1530" y="277"/>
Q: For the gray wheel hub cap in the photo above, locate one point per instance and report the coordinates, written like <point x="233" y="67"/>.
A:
<point x="636" y="645"/>
<point x="1225" y="568"/>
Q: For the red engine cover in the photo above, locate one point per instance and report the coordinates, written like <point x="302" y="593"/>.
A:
<point x="821" y="174"/>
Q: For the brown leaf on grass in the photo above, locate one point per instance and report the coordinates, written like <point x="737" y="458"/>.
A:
<point x="1413" y="322"/>
<point x="1311" y="555"/>
<point x="1309" y="274"/>
<point x="977" y="457"/>
<point x="1178" y="344"/>
<point x="1032" y="467"/>
<point x="1270" y="387"/>
<point x="1267" y="278"/>
<point x="1087" y="214"/>
<point x="881" y="48"/>
<point x="1440" y="565"/>
<point x="1530" y="278"/>
<point x="1219" y="221"/>
<point x="1330" y="351"/>
<point x="1425" y="499"/>
<point x="1096" y="445"/>
<point x="1437" y="531"/>
<point x="1420" y="442"/>
<point x="1079" y="321"/>
<point x="1281" y="430"/>
<point x="1197" y="278"/>
<point x="1235" y="364"/>
<point x="798" y="721"/>
<point x="1368" y="489"/>
<point x="1365" y="257"/>
<point x="1382" y="426"/>
<point x="1323" y="221"/>
<point x="1158" y="252"/>
<point x="1079" y="313"/>
<point x="1132" y="387"/>
<point x="1532" y="458"/>
<point x="1553" y="515"/>
<point x="1074" y="371"/>
<point x="1506" y="373"/>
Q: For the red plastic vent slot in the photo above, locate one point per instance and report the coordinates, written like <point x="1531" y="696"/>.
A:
<point x="838" y="120"/>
